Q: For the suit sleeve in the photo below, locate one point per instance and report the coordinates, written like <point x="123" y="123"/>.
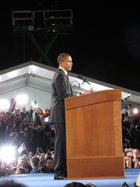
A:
<point x="61" y="86"/>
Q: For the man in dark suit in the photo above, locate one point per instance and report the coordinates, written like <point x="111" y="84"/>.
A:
<point x="61" y="89"/>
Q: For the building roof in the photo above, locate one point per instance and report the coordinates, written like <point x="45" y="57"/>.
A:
<point x="39" y="76"/>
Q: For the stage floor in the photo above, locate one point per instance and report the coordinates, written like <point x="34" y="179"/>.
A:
<point x="47" y="180"/>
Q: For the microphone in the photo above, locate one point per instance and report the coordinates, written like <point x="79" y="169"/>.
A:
<point x="85" y="80"/>
<point x="79" y="76"/>
<point x="82" y="77"/>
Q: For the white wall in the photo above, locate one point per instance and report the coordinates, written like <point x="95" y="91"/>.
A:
<point x="43" y="98"/>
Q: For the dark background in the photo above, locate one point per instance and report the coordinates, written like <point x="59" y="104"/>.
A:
<point x="104" y="42"/>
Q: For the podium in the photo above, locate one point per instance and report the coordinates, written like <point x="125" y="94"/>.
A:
<point x="94" y="135"/>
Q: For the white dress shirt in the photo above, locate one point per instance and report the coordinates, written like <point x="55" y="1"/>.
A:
<point x="66" y="73"/>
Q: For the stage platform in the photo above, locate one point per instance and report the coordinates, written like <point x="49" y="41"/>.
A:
<point x="47" y="180"/>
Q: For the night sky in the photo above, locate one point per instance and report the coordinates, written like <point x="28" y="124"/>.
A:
<point x="104" y="42"/>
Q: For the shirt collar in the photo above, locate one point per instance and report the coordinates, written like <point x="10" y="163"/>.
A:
<point x="64" y="70"/>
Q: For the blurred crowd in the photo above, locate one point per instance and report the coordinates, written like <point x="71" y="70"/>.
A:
<point x="12" y="183"/>
<point x="33" y="136"/>
<point x="132" y="158"/>
<point x="30" y="127"/>
<point x="131" y="136"/>
<point x="131" y="127"/>
<point x="28" y="163"/>
<point x="33" y="129"/>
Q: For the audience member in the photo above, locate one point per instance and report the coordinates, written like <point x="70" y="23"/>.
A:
<point x="11" y="183"/>
<point x="48" y="168"/>
<point x="137" y="183"/>
<point x="41" y="166"/>
<point x="78" y="184"/>
<point x="34" y="164"/>
<point x="136" y="158"/>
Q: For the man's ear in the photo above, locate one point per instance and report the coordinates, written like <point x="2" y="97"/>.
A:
<point x="60" y="62"/>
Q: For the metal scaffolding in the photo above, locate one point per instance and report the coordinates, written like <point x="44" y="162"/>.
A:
<point x="34" y="23"/>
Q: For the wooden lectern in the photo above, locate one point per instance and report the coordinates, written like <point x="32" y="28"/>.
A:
<point x="94" y="135"/>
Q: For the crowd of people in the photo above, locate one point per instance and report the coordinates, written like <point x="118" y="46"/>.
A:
<point x="12" y="183"/>
<point x="132" y="158"/>
<point x="131" y="127"/>
<point x="31" y="128"/>
<point x="131" y="136"/>
<point x="28" y="164"/>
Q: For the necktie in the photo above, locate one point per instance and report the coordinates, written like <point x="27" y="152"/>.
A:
<point x="68" y="76"/>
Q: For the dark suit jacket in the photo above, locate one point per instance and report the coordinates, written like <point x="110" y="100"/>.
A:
<point x="61" y="89"/>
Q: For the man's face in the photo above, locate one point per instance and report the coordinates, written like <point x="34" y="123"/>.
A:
<point x="136" y="153"/>
<point x="49" y="164"/>
<point x="67" y="63"/>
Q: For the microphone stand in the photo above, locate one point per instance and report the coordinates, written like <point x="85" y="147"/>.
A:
<point x="85" y="81"/>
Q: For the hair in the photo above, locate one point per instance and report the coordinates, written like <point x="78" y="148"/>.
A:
<point x="11" y="183"/>
<point x="13" y="170"/>
<point x="49" y="158"/>
<point x="62" y="56"/>
<point x="23" y="160"/>
<point x="20" y="171"/>
<point x="79" y="184"/>
<point x="130" y="105"/>
<point x="3" y="172"/>
<point x="74" y="184"/>
<point x="35" y="161"/>
<point x="41" y="163"/>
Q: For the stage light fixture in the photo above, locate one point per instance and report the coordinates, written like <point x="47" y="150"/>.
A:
<point x="22" y="99"/>
<point x="8" y="153"/>
<point x="135" y="111"/>
<point x="4" y="104"/>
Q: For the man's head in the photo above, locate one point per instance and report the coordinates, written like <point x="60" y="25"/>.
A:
<point x="136" y="153"/>
<point x="34" y="161"/>
<point x="49" y="163"/>
<point x="65" y="61"/>
<point x="11" y="183"/>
